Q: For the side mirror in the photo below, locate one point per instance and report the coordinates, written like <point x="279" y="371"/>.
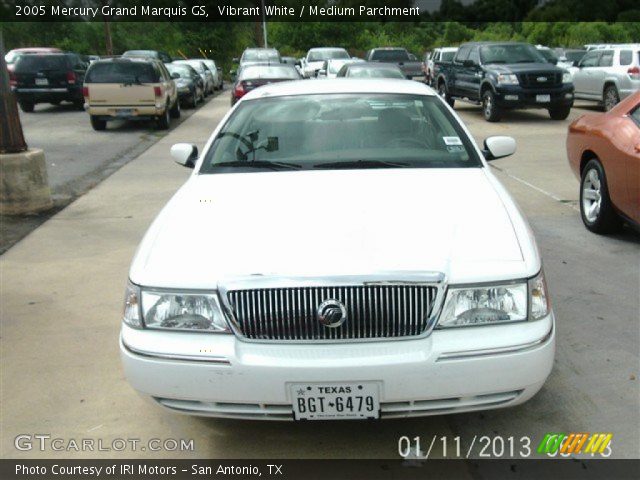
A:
<point x="185" y="154"/>
<point x="469" y="63"/>
<point x="498" y="147"/>
<point x="321" y="73"/>
<point x="175" y="75"/>
<point x="236" y="60"/>
<point x="219" y="69"/>
<point x="298" y="63"/>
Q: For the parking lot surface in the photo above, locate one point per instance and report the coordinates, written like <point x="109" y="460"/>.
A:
<point x="77" y="158"/>
<point x="63" y="287"/>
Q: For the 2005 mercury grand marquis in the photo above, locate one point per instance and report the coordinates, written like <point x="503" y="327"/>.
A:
<point x="341" y="251"/>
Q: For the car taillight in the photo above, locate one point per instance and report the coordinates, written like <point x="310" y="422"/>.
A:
<point x="239" y="91"/>
<point x="71" y="77"/>
<point x="85" y="92"/>
<point x="634" y="73"/>
<point x="12" y="79"/>
<point x="157" y="91"/>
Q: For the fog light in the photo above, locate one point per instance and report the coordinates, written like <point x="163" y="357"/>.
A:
<point x="511" y="97"/>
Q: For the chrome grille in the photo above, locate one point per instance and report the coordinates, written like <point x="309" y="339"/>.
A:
<point x="373" y="311"/>
<point x="533" y="80"/>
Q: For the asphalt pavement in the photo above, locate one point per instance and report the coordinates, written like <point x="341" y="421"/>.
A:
<point x="62" y="290"/>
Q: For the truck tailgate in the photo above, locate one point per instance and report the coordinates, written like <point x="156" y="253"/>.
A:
<point x="117" y="94"/>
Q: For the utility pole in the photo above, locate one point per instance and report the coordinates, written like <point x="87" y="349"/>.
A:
<point x="107" y="33"/>
<point x="264" y="26"/>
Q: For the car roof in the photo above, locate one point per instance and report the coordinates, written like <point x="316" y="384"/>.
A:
<point x="37" y="49"/>
<point x="314" y="49"/>
<point x="389" y="48"/>
<point x="128" y="60"/>
<point x="373" y="65"/>
<point x="340" y="85"/>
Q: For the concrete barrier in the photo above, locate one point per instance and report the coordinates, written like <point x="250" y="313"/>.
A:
<point x="24" y="187"/>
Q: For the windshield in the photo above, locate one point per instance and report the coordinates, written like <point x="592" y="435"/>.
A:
<point x="575" y="56"/>
<point x="269" y="71"/>
<point x="183" y="70"/>
<point x="260" y="56"/>
<point x="340" y="131"/>
<point x="447" y="56"/>
<point x="511" y="53"/>
<point x="321" y="55"/>
<point x="390" y="56"/>
<point x="375" y="72"/>
<point x="122" y="72"/>
<point x="549" y="55"/>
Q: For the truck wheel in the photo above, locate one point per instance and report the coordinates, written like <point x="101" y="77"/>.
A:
<point x="175" y="110"/>
<point x="596" y="208"/>
<point x="98" y="124"/>
<point x="26" y="106"/>
<point x="442" y="91"/>
<point x="163" y="121"/>
<point x="610" y="97"/>
<point x="559" y="113"/>
<point x="490" y="111"/>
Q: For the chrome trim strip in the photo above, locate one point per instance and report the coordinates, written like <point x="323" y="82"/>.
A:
<point x="170" y="356"/>
<point x="42" y="90"/>
<point x="495" y="351"/>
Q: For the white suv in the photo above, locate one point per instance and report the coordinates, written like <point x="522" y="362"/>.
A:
<point x="350" y="256"/>
<point x="607" y="75"/>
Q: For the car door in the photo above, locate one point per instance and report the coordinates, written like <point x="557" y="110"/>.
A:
<point x="582" y="78"/>
<point x="596" y="81"/>
<point x="633" y="167"/>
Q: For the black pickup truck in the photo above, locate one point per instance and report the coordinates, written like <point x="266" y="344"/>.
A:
<point x="503" y="76"/>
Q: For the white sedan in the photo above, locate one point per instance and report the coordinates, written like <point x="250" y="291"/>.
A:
<point x="341" y="251"/>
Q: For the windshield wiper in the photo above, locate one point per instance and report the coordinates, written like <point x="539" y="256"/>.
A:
<point x="259" y="164"/>
<point x="361" y="164"/>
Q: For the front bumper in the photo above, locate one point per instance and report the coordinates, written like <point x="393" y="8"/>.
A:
<point x="449" y="371"/>
<point x="514" y="96"/>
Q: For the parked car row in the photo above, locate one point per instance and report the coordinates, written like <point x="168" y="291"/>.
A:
<point x="139" y="85"/>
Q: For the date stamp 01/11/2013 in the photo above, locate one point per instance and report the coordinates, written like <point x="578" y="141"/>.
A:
<point x="498" y="446"/>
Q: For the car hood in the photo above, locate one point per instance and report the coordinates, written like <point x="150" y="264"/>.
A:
<point x="344" y="222"/>
<point x="523" y="67"/>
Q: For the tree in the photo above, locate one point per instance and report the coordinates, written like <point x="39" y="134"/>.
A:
<point x="11" y="136"/>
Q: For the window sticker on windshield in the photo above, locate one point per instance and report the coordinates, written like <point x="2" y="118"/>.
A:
<point x="455" y="148"/>
<point x="452" y="140"/>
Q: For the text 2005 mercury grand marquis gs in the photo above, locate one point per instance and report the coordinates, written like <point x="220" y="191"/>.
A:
<point x="341" y="251"/>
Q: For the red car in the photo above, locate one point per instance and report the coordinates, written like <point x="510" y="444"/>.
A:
<point x="604" y="153"/>
<point x="12" y="55"/>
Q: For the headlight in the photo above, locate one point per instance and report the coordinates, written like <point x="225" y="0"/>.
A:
<point x="508" y="79"/>
<point x="566" y="77"/>
<point x="163" y="310"/>
<point x="182" y="311"/>
<point x="495" y="304"/>
<point x="540" y="305"/>
<point x="484" y="305"/>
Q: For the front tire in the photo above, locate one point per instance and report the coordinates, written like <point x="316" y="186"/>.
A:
<point x="98" y="124"/>
<point x="610" y="97"/>
<point x="442" y="91"/>
<point x="490" y="111"/>
<point x="596" y="208"/>
<point x="559" y="113"/>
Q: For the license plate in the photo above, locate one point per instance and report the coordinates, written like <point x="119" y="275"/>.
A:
<point x="42" y="81"/>
<point x="335" y="401"/>
<point x="543" y="98"/>
<point x="124" y="112"/>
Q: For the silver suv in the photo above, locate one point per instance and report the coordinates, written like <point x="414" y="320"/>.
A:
<point x="607" y="75"/>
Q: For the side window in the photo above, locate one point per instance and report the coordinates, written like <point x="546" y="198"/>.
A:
<point x="475" y="56"/>
<point x="606" y="60"/>
<point x="158" y="72"/>
<point x="626" y="56"/>
<point x="635" y="115"/>
<point x="590" y="59"/>
<point x="463" y="54"/>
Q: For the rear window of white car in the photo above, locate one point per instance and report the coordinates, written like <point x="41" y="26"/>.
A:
<point x="314" y="131"/>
